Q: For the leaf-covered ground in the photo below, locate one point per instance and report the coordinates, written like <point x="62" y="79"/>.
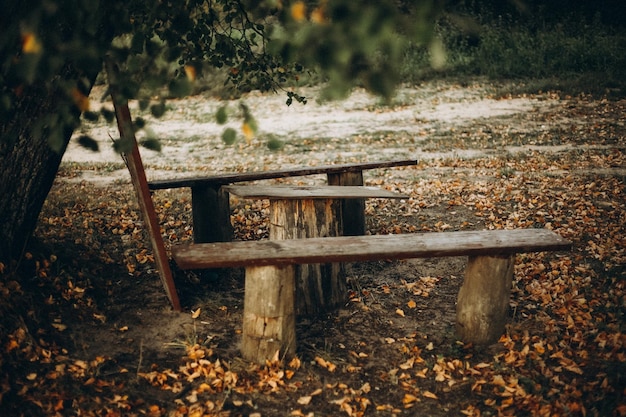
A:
<point x="87" y="331"/>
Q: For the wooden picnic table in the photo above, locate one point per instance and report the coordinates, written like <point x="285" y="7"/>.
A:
<point x="298" y="212"/>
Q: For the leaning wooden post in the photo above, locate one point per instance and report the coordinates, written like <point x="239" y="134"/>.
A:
<point x="140" y="183"/>
<point x="269" y="323"/>
<point x="483" y="301"/>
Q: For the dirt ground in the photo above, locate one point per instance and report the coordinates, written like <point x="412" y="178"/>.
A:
<point x="486" y="160"/>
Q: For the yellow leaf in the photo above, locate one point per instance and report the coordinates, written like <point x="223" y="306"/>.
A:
<point x="295" y="363"/>
<point x="400" y="312"/>
<point x="11" y="345"/>
<point x="298" y="11"/>
<point x="305" y="400"/>
<point x="30" y="43"/>
<point x="326" y="364"/>
<point x="411" y="304"/>
<point x="408" y="364"/>
<point x="59" y="326"/>
<point x="190" y="71"/>
<point x="498" y="380"/>
<point x="317" y="15"/>
<point x="248" y="132"/>
<point x="195" y="314"/>
<point x="409" y="399"/>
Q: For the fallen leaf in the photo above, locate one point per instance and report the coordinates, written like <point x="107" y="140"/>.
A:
<point x="305" y="400"/>
<point x="429" y="394"/>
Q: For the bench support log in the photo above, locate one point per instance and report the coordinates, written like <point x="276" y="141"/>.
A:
<point x="268" y="317"/>
<point x="211" y="214"/>
<point x="319" y="287"/>
<point x="483" y="300"/>
<point x="352" y="209"/>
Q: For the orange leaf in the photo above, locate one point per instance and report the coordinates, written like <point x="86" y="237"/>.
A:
<point x="409" y="399"/>
<point x="30" y="43"/>
<point x="298" y="11"/>
<point x="81" y="100"/>
<point x="429" y="394"/>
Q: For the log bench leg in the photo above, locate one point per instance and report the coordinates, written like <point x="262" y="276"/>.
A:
<point x="269" y="323"/>
<point x="211" y="214"/>
<point x="483" y="300"/>
<point x="353" y="209"/>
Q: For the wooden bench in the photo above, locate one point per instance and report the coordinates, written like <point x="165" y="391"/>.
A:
<point x="210" y="201"/>
<point x="269" y="317"/>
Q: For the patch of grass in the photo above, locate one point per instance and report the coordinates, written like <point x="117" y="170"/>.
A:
<point x="571" y="57"/>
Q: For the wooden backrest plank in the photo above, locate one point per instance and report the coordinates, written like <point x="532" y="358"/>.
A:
<point x="364" y="248"/>
<point x="230" y="178"/>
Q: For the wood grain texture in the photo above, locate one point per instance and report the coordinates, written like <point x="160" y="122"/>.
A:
<point x="320" y="287"/>
<point x="483" y="301"/>
<point x="363" y="248"/>
<point x="295" y="192"/>
<point x="268" y="316"/>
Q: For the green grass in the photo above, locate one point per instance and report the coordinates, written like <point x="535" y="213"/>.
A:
<point x="571" y="57"/>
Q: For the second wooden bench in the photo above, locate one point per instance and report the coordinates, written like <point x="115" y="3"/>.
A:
<point x="269" y="313"/>
<point x="211" y="207"/>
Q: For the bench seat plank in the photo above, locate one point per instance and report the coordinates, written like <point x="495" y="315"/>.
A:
<point x="365" y="248"/>
<point x="297" y="192"/>
<point x="229" y="178"/>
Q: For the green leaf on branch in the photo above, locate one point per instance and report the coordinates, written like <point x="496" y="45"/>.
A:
<point x="123" y="145"/>
<point x="229" y="136"/>
<point x="91" y="116"/>
<point x="222" y="115"/>
<point x="181" y="87"/>
<point x="151" y="143"/>
<point x="88" y="143"/>
<point x="108" y="115"/>
<point x="274" y="144"/>
<point x="158" y="110"/>
<point x="140" y="123"/>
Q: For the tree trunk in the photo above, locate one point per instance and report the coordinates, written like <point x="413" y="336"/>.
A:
<point x="28" y="165"/>
<point x="319" y="287"/>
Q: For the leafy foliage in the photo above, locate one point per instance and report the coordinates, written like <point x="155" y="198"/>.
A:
<point x="161" y="48"/>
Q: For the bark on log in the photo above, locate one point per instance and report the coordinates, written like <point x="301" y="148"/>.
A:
<point x="268" y="316"/>
<point x="483" y="300"/>
<point x="319" y="287"/>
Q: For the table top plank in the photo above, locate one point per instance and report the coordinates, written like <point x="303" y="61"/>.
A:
<point x="294" y="192"/>
<point x="233" y="177"/>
